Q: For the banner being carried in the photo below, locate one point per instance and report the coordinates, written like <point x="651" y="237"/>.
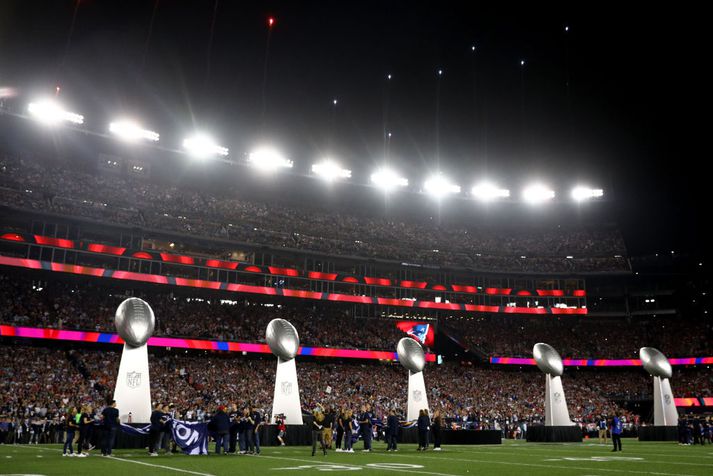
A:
<point x="190" y="436"/>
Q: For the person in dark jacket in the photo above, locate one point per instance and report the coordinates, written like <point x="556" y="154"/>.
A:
<point x="234" y="427"/>
<point x="365" y="426"/>
<point x="392" y="431"/>
<point x="436" y="428"/>
<point x="424" y="424"/>
<point x="221" y="425"/>
<point x="340" y="429"/>
<point x="110" y="421"/>
<point x="348" y="425"/>
<point x="617" y="428"/>
<point x="247" y="427"/>
<point x="157" y="419"/>
<point x="71" y="427"/>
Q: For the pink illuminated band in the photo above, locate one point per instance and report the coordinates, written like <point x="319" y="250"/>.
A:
<point x="601" y="362"/>
<point x="196" y="344"/>
<point x="694" y="402"/>
<point x="270" y="291"/>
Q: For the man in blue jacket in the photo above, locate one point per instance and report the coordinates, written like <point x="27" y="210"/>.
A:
<point x="392" y="431"/>
<point x="221" y="425"/>
<point x="617" y="428"/>
<point x="365" y="426"/>
<point x="157" y="420"/>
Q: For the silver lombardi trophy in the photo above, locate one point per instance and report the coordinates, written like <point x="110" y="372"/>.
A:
<point x="550" y="363"/>
<point x="134" y="321"/>
<point x="412" y="357"/>
<point x="282" y="338"/>
<point x="657" y="365"/>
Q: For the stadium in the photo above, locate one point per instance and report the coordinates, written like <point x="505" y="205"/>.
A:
<point x="350" y="236"/>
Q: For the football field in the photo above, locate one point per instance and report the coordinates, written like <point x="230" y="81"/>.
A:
<point x="513" y="457"/>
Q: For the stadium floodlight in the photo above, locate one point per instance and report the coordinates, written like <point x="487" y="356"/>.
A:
<point x="268" y="159"/>
<point x="581" y="194"/>
<point x="440" y="186"/>
<point x="486" y="192"/>
<point x="131" y="131"/>
<point x="50" y="112"/>
<point x="329" y="170"/>
<point x="388" y="180"/>
<point x="537" y="193"/>
<point x="202" y="146"/>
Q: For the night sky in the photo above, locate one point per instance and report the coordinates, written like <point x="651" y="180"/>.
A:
<point x="619" y="100"/>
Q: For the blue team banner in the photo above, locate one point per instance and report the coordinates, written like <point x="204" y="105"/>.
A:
<point x="144" y="430"/>
<point x="191" y="437"/>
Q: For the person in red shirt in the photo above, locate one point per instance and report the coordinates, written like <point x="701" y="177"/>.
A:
<point x="281" y="429"/>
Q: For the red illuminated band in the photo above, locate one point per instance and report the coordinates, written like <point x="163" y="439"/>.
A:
<point x="601" y="362"/>
<point x="265" y="290"/>
<point x="197" y="344"/>
<point x="279" y="271"/>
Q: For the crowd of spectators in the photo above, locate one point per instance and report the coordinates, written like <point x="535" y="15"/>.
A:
<point x="91" y="306"/>
<point x="39" y="385"/>
<point x="582" y="337"/>
<point x="62" y="188"/>
<point x="87" y="307"/>
<point x="50" y="381"/>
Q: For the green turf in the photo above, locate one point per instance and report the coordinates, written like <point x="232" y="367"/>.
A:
<point x="516" y="458"/>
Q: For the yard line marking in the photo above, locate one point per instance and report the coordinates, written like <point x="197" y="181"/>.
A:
<point x="404" y="470"/>
<point x="635" y="451"/>
<point x="160" y="466"/>
<point x="131" y="461"/>
<point x="564" y="467"/>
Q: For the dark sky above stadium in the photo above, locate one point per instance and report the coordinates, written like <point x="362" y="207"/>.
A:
<point x="612" y="95"/>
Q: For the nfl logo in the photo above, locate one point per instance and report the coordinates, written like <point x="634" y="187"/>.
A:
<point x="286" y="388"/>
<point x="133" y="379"/>
<point x="558" y="397"/>
<point x="667" y="399"/>
<point x="417" y="395"/>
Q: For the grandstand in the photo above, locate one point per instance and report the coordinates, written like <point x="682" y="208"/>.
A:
<point x="222" y="235"/>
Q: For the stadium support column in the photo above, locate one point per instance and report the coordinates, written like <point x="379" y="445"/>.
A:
<point x="133" y="389"/>
<point x="665" y="413"/>
<point x="417" y="396"/>
<point x="286" y="400"/>
<point x="556" y="413"/>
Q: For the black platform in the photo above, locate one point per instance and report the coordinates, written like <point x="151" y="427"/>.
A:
<point x="554" y="434"/>
<point x="658" y="433"/>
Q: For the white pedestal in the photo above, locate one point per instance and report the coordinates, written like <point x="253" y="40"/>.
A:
<point x="556" y="413"/>
<point x="665" y="413"/>
<point x="133" y="389"/>
<point x="287" y="393"/>
<point x="417" y="396"/>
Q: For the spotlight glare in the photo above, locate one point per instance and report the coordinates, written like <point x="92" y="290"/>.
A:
<point x="330" y="170"/>
<point x="7" y="92"/>
<point x="388" y="180"/>
<point x="202" y="146"/>
<point x="537" y="194"/>
<point x="50" y="112"/>
<point x="439" y="186"/>
<point x="131" y="131"/>
<point x="486" y="192"/>
<point x="268" y="159"/>
<point x="580" y="193"/>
